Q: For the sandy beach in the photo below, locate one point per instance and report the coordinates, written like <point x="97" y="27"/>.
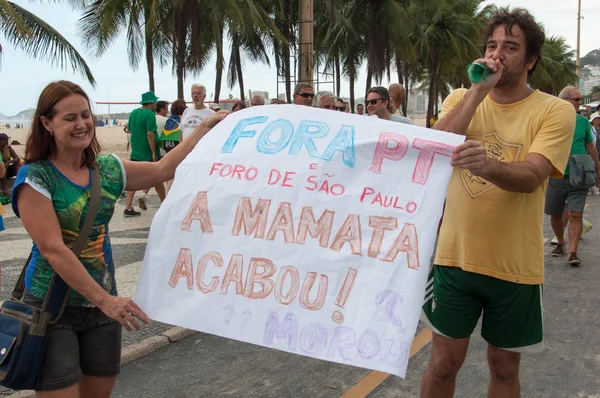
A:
<point x="112" y="140"/>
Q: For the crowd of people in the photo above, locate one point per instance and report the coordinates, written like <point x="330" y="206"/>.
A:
<point x="522" y="151"/>
<point x="151" y="132"/>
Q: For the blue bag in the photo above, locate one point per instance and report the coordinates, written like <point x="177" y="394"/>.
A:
<point x="23" y="326"/>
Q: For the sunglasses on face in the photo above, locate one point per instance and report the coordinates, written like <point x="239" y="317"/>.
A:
<point x="578" y="99"/>
<point x="305" y="95"/>
<point x="196" y="93"/>
<point x="373" y="101"/>
<point x="340" y="108"/>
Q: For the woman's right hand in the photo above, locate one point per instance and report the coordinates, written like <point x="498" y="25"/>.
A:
<point x="123" y="310"/>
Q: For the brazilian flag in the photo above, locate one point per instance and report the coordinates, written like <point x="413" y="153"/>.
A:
<point x="171" y="132"/>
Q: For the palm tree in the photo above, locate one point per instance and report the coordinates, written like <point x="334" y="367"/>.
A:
<point x="285" y="15"/>
<point x="248" y="26"/>
<point x="146" y="23"/>
<point x="193" y="37"/>
<point x="448" y="34"/>
<point x="342" y="45"/>
<point x="387" y="22"/>
<point x="30" y="33"/>
<point x="556" y="69"/>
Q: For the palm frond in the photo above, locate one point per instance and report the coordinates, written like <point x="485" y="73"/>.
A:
<point x="42" y="41"/>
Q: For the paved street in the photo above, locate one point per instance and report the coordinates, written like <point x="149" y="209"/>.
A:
<point x="209" y="366"/>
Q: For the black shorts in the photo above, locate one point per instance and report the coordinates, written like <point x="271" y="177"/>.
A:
<point x="168" y="145"/>
<point x="11" y="171"/>
<point x="84" y="341"/>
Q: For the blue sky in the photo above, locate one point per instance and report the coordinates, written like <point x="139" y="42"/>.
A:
<point x="22" y="78"/>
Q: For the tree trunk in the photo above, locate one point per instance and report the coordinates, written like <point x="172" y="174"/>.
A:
<point x="180" y="47"/>
<point x="338" y="75"/>
<point x="149" y="53"/>
<point x="286" y="60"/>
<point x="369" y="79"/>
<point x="406" y="89"/>
<point x="352" y="78"/>
<point x="400" y="71"/>
<point x="432" y="89"/>
<point x="220" y="65"/>
<point x="288" y="76"/>
<point x="150" y="63"/>
<point x="238" y="67"/>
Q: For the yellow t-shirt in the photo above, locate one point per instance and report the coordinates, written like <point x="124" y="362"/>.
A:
<point x="488" y="230"/>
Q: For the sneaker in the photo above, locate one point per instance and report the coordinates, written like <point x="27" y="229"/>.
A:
<point x="142" y="202"/>
<point x="131" y="213"/>
<point x="587" y="226"/>
<point x="574" y="260"/>
<point x="558" y="250"/>
<point x="554" y="241"/>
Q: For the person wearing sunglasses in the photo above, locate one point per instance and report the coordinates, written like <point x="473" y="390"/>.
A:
<point x="339" y="105"/>
<point x="303" y="94"/>
<point x="324" y="100"/>
<point x="378" y="104"/>
<point x="565" y="203"/>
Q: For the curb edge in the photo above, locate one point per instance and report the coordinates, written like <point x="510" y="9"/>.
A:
<point x="137" y="351"/>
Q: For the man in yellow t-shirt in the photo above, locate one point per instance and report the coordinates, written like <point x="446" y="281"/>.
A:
<point x="490" y="256"/>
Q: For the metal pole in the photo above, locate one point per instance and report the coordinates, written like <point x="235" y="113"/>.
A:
<point x="578" y="61"/>
<point x="306" y="41"/>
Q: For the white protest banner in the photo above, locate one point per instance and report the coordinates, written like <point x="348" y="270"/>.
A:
<point x="304" y="230"/>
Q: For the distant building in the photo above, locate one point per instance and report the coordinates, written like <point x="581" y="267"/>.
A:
<point x="417" y="102"/>
<point x="589" y="77"/>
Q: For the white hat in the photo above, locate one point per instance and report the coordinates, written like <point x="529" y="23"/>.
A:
<point x="594" y="115"/>
<point x="214" y="106"/>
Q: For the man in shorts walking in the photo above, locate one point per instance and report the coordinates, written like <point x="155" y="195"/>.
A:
<point x="144" y="145"/>
<point x="490" y="254"/>
<point x="560" y="189"/>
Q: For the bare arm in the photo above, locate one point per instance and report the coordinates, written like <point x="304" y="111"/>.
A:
<point x="2" y="170"/>
<point x="523" y="176"/>
<point x="458" y="119"/>
<point x="152" y="143"/>
<point x="142" y="175"/>
<point x="14" y="157"/>
<point x="40" y="221"/>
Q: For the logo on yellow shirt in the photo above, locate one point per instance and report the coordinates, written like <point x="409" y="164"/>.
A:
<point x="497" y="149"/>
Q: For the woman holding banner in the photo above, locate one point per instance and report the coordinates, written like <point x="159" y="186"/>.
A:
<point x="51" y="196"/>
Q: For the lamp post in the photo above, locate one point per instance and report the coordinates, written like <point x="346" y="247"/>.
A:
<point x="306" y="41"/>
<point x="577" y="60"/>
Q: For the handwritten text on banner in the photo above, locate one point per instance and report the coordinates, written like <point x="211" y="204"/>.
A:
<point x="304" y="230"/>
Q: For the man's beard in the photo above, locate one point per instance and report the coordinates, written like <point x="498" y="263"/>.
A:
<point x="510" y="78"/>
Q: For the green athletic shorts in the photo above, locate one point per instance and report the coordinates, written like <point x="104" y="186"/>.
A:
<point x="512" y="312"/>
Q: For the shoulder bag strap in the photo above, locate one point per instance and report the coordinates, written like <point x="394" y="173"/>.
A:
<point x="58" y="292"/>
